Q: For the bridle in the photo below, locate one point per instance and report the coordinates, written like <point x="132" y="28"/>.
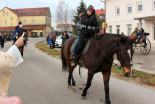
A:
<point x="121" y="60"/>
<point x="119" y="51"/>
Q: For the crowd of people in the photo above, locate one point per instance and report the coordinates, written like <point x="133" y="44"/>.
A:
<point x="51" y="39"/>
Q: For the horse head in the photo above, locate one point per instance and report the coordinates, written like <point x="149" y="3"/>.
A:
<point x="124" y="55"/>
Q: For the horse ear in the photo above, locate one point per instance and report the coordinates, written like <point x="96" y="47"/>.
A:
<point x="123" y="40"/>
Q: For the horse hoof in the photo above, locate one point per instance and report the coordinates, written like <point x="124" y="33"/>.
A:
<point x="74" y="88"/>
<point x="73" y="64"/>
<point x="83" y="97"/>
<point x="69" y="86"/>
<point x="107" y="102"/>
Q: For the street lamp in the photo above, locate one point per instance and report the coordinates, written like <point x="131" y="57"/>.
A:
<point x="104" y="15"/>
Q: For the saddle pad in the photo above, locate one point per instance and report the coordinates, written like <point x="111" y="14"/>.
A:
<point x="85" y="48"/>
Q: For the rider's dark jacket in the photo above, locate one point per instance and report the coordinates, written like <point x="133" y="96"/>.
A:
<point x="88" y="21"/>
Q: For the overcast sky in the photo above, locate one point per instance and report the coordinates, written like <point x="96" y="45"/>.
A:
<point x="53" y="4"/>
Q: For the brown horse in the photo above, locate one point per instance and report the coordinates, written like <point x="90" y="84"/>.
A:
<point x="99" y="58"/>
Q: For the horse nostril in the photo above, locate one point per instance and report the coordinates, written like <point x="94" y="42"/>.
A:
<point x="127" y="74"/>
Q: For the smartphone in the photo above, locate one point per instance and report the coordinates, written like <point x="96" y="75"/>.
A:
<point x="23" y="35"/>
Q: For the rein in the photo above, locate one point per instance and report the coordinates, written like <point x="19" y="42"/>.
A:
<point x="112" y="60"/>
<point x="106" y="55"/>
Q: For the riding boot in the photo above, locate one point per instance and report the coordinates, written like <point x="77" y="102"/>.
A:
<point x="72" y="56"/>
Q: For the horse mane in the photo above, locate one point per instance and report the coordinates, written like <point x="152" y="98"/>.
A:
<point x="109" y="36"/>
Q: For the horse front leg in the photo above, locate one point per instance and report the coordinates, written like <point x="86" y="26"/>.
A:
<point x="89" y="80"/>
<point x="106" y="78"/>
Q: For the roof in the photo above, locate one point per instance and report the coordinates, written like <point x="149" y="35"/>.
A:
<point x="30" y="11"/>
<point x="64" y="25"/>
<point x="7" y="28"/>
<point x="100" y="11"/>
<point x="26" y="27"/>
<point x="145" y="18"/>
<point x="34" y="27"/>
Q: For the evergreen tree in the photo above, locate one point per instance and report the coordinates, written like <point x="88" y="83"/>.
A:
<point x="80" y="9"/>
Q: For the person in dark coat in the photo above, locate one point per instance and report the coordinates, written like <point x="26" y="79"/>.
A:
<point x="65" y="36"/>
<point x="15" y="35"/>
<point x="89" y="24"/>
<point x="53" y="39"/>
<point x="47" y="39"/>
<point x="2" y="38"/>
<point x="19" y="31"/>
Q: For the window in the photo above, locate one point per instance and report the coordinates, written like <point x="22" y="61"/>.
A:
<point x="153" y="4"/>
<point x="117" y="11"/>
<point x="3" y="13"/>
<point x="129" y="29"/>
<point x="33" y="21"/>
<point x="118" y="29"/>
<point x="11" y="24"/>
<point x="101" y="16"/>
<point x="24" y="22"/>
<point x="7" y="14"/>
<point x="129" y="8"/>
<point x="11" y="18"/>
<point x="139" y="7"/>
<point x="110" y="29"/>
<point x="5" y="22"/>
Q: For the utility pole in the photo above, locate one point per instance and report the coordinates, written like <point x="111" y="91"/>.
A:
<point x="105" y="24"/>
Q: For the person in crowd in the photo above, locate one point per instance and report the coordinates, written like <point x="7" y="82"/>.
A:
<point x="65" y="36"/>
<point x="50" y="41"/>
<point x="47" y="38"/>
<point x="2" y="39"/>
<point x="135" y="31"/>
<point x="9" y="60"/>
<point x="15" y="36"/>
<point x="53" y="36"/>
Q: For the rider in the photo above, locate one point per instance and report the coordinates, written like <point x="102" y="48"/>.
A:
<point x="88" y="24"/>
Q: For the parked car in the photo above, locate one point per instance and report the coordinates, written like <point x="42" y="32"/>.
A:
<point x="58" y="42"/>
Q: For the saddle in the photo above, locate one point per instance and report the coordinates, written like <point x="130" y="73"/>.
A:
<point x="85" y="49"/>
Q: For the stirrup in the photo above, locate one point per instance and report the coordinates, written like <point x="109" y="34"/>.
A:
<point x="72" y="57"/>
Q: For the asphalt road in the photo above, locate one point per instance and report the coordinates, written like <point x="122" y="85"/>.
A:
<point x="144" y="62"/>
<point x="40" y="80"/>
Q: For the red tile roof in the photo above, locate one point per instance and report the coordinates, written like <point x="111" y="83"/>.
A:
<point x="64" y="25"/>
<point x="31" y="11"/>
<point x="7" y="28"/>
<point x="100" y="11"/>
<point x="34" y="27"/>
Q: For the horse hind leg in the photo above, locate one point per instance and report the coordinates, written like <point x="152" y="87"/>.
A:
<point x="89" y="80"/>
<point x="71" y="79"/>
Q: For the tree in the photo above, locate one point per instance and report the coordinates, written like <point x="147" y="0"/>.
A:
<point x="62" y="15"/>
<point x="80" y="9"/>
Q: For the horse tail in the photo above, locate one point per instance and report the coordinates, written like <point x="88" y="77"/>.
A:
<point x="64" y="63"/>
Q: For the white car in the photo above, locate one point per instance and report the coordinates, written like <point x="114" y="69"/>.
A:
<point x="58" y="42"/>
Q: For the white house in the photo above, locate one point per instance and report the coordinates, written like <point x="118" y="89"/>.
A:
<point x="125" y="15"/>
